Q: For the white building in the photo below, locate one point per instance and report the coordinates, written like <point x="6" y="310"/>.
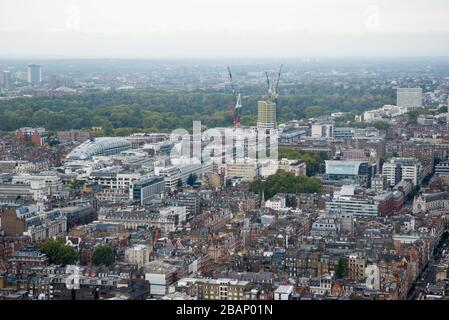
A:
<point x="425" y="120"/>
<point x="379" y="183"/>
<point x="442" y="169"/>
<point x="325" y="226"/>
<point x="181" y="211"/>
<point x="324" y="130"/>
<point x="386" y="112"/>
<point x="99" y="146"/>
<point x="267" y="220"/>
<point x="347" y="202"/>
<point x="13" y="166"/>
<point x="52" y="182"/>
<point x="296" y="167"/>
<point x="409" y="98"/>
<point x="138" y="255"/>
<point x="283" y="293"/>
<point x="160" y="275"/>
<point x="276" y="203"/>
<point x="343" y="133"/>
<point x="174" y="174"/>
<point x="398" y="169"/>
<point x="247" y="169"/>
<point x="50" y="226"/>
<point x="112" y="179"/>
<point x="372" y="273"/>
<point x="268" y="168"/>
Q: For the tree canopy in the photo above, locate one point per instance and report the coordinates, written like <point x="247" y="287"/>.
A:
<point x="285" y="182"/>
<point x="145" y="110"/>
<point x="414" y="114"/>
<point x="313" y="160"/>
<point x="191" y="179"/>
<point x="341" y="268"/>
<point x="103" y="255"/>
<point x="58" y="252"/>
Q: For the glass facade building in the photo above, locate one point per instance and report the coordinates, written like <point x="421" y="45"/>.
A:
<point x="360" y="171"/>
<point x="99" y="146"/>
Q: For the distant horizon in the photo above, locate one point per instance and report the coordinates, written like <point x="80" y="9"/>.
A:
<point x="257" y="59"/>
<point x="223" y="29"/>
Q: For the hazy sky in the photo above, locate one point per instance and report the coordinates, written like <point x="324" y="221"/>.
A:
<point x="223" y="28"/>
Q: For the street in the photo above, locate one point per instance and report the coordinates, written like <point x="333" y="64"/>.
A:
<point x="428" y="274"/>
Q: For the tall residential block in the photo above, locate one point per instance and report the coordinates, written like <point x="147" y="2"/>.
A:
<point x="409" y="98"/>
<point x="34" y="73"/>
<point x="266" y="115"/>
<point x="6" y="79"/>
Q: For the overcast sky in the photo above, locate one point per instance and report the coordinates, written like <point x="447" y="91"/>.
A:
<point x="223" y="28"/>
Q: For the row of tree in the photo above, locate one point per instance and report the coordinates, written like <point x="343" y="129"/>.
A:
<point x="62" y="254"/>
<point x="285" y="182"/>
<point x="163" y="111"/>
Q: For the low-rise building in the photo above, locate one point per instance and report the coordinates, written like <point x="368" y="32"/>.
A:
<point x="138" y="255"/>
<point x="442" y="169"/>
<point x="146" y="189"/>
<point x="248" y="170"/>
<point x="218" y="289"/>
<point x="321" y="285"/>
<point x="283" y="293"/>
<point x="346" y="201"/>
<point x="356" y="267"/>
<point x="29" y="257"/>
<point x="398" y="169"/>
<point x="276" y="203"/>
<point x="431" y="201"/>
<point x="161" y="276"/>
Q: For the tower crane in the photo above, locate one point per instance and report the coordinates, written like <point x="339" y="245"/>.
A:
<point x="272" y="88"/>
<point x="235" y="110"/>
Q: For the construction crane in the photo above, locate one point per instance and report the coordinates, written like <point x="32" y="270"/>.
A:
<point x="268" y="84"/>
<point x="235" y="110"/>
<point x="232" y="82"/>
<point x="279" y="77"/>
<point x="272" y="90"/>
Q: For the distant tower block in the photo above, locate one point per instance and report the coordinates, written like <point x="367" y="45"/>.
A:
<point x="34" y="73"/>
<point x="266" y="115"/>
<point x="410" y="98"/>
<point x="6" y="79"/>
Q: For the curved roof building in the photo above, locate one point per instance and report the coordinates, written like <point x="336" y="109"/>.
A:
<point x="359" y="171"/>
<point x="344" y="167"/>
<point x="99" y="146"/>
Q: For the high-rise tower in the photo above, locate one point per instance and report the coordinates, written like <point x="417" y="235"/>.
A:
<point x="6" y="79"/>
<point x="34" y="74"/>
<point x="266" y="111"/>
<point x="266" y="114"/>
